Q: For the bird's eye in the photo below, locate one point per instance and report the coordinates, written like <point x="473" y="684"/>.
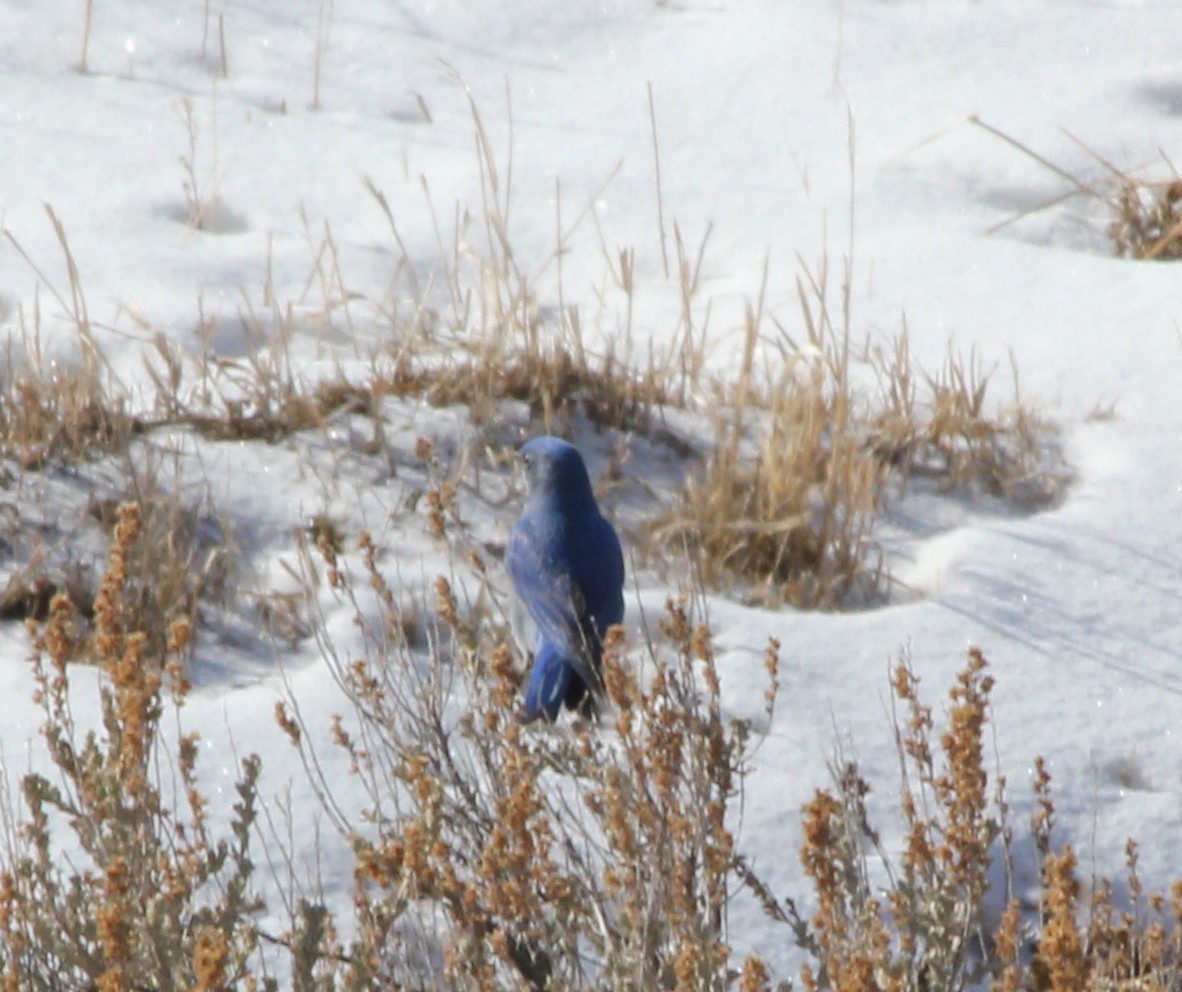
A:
<point x="526" y="458"/>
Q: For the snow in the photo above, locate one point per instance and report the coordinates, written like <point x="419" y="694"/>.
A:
<point x="759" y="109"/>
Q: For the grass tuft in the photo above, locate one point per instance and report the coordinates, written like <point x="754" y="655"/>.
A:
<point x="1146" y="214"/>
<point x="1148" y="218"/>
<point x="807" y="456"/>
<point x="55" y="412"/>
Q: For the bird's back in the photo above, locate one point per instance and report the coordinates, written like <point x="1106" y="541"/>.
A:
<point x="567" y="568"/>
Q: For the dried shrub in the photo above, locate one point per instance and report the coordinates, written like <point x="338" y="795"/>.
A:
<point x="491" y="855"/>
<point x="924" y="925"/>
<point x="495" y="856"/>
<point x="147" y="896"/>
<point x="184" y="563"/>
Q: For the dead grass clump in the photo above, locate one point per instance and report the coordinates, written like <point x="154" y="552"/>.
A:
<point x="244" y="422"/>
<point x="550" y="369"/>
<point x="556" y="382"/>
<point x="51" y="411"/>
<point x="1148" y="218"/>
<point x="256" y="398"/>
<point x="1146" y="213"/>
<point x="804" y="454"/>
<point x="795" y="514"/>
<point x="113" y="878"/>
<point x="490" y="357"/>
<point x="500" y="857"/>
<point x="481" y="330"/>
<point x="943" y="427"/>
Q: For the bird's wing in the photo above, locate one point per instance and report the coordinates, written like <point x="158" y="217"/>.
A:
<point x="599" y="578"/>
<point x="543" y="582"/>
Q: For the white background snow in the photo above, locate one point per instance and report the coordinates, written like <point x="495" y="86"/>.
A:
<point x="756" y="104"/>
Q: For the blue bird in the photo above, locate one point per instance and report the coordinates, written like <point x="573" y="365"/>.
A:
<point x="568" y="571"/>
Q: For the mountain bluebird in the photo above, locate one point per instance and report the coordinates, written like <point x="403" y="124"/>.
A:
<point x="568" y="571"/>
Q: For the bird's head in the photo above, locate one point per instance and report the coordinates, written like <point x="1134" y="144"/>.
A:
<point x="552" y="465"/>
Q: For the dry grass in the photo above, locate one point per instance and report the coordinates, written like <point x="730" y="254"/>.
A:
<point x="54" y="411"/>
<point x="203" y="198"/>
<point x="1148" y="218"/>
<point x="806" y="456"/>
<point x="795" y="516"/>
<point x="51" y="413"/>
<point x="556" y="386"/>
<point x="480" y="335"/>
<point x="804" y="452"/>
<point x="946" y="427"/>
<point x="1146" y="214"/>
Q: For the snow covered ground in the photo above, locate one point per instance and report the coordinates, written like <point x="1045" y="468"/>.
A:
<point x="774" y="120"/>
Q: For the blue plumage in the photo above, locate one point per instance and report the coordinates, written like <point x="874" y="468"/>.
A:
<point x="568" y="571"/>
